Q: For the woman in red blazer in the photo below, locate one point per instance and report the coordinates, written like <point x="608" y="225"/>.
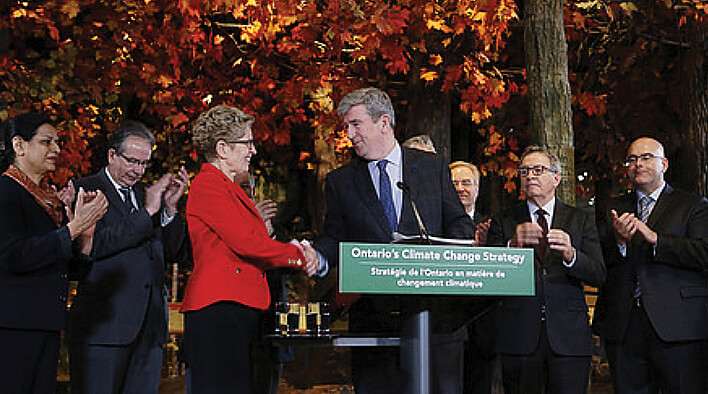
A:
<point x="232" y="250"/>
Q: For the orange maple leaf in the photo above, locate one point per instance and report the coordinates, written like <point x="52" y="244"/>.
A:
<point x="428" y="75"/>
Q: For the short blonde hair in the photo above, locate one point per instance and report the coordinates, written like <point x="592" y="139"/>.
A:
<point x="219" y="123"/>
<point x="470" y="166"/>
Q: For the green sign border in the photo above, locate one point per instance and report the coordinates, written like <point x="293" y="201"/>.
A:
<point x="435" y="269"/>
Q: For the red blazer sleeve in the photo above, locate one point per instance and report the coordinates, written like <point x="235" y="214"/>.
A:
<point x="230" y="245"/>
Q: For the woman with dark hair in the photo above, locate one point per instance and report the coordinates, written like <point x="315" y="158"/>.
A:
<point x="41" y="244"/>
<point x="232" y="250"/>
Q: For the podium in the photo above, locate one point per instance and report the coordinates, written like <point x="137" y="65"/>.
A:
<point x="441" y="269"/>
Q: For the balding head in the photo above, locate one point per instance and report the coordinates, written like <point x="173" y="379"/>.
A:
<point x="646" y="163"/>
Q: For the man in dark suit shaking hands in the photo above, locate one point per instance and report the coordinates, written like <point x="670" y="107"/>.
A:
<point x="364" y="204"/>
<point x="653" y="310"/>
<point x="118" y="319"/>
<point x="544" y="340"/>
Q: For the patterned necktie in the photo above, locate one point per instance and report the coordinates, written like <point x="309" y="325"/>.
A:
<point x="543" y="243"/>
<point x="127" y="199"/>
<point x="386" y="196"/>
<point x="645" y="205"/>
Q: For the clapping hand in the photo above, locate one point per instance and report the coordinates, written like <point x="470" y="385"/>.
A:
<point x="625" y="226"/>
<point x="154" y="193"/>
<point x="175" y="190"/>
<point x="480" y="234"/>
<point x="66" y="194"/>
<point x="526" y="234"/>
<point x="267" y="209"/>
<point x="90" y="208"/>
<point x="559" y="240"/>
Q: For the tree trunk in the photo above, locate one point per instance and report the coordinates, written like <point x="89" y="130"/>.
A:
<point x="429" y="112"/>
<point x="693" y="154"/>
<point x="549" y="90"/>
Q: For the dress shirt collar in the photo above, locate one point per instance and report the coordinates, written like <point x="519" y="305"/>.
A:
<point x="114" y="183"/>
<point x="654" y="195"/>
<point x="549" y="207"/>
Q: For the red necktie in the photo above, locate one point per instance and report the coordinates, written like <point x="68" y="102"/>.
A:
<point x="543" y="244"/>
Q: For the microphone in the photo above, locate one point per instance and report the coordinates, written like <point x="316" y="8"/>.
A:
<point x="421" y="226"/>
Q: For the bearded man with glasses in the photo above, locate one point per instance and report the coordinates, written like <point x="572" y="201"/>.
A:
<point x="544" y="341"/>
<point x="652" y="312"/>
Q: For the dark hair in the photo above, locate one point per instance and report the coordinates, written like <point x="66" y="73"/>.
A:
<point x="25" y="126"/>
<point x="129" y="128"/>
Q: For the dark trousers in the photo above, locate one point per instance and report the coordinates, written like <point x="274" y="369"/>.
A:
<point x="216" y="344"/>
<point x="545" y="371"/>
<point x="132" y="368"/>
<point x="645" y="364"/>
<point x="28" y="361"/>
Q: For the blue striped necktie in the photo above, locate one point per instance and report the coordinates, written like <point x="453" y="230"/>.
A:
<point x="386" y="196"/>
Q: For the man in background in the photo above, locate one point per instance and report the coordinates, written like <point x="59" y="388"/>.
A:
<point x="481" y="363"/>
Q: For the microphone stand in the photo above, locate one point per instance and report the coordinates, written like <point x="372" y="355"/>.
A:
<point x="421" y="227"/>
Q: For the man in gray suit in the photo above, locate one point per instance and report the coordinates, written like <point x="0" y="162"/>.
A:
<point x="653" y="311"/>
<point x="118" y="320"/>
<point x="364" y="204"/>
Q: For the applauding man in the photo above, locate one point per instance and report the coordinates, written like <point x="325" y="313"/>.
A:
<point x="545" y="340"/>
<point x="118" y="321"/>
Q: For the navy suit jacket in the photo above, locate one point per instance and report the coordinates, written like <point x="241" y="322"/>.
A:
<point x="128" y="274"/>
<point x="672" y="276"/>
<point x="559" y="288"/>
<point x="36" y="258"/>
<point x="354" y="213"/>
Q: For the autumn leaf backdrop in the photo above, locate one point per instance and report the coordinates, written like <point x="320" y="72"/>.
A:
<point x="91" y="64"/>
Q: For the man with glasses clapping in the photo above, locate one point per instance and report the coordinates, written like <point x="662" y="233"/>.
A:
<point x="118" y="321"/>
<point x="544" y="340"/>
<point x="652" y="312"/>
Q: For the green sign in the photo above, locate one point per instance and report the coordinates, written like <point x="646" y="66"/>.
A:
<point x="435" y="269"/>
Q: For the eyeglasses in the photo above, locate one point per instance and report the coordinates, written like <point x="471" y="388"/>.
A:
<point x="643" y="158"/>
<point x="250" y="142"/>
<point x="464" y="183"/>
<point x="134" y="162"/>
<point x="536" y="170"/>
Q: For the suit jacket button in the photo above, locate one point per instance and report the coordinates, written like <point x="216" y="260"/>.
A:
<point x="64" y="276"/>
<point x="238" y="270"/>
<point x="62" y="298"/>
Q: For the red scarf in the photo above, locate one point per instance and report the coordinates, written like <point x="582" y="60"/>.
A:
<point x="43" y="193"/>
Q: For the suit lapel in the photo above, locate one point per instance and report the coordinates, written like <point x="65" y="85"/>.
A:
<point x="363" y="186"/>
<point x="660" y="206"/>
<point x="114" y="199"/>
<point x="560" y="216"/>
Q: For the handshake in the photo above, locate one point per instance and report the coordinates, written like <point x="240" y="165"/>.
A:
<point x="312" y="261"/>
